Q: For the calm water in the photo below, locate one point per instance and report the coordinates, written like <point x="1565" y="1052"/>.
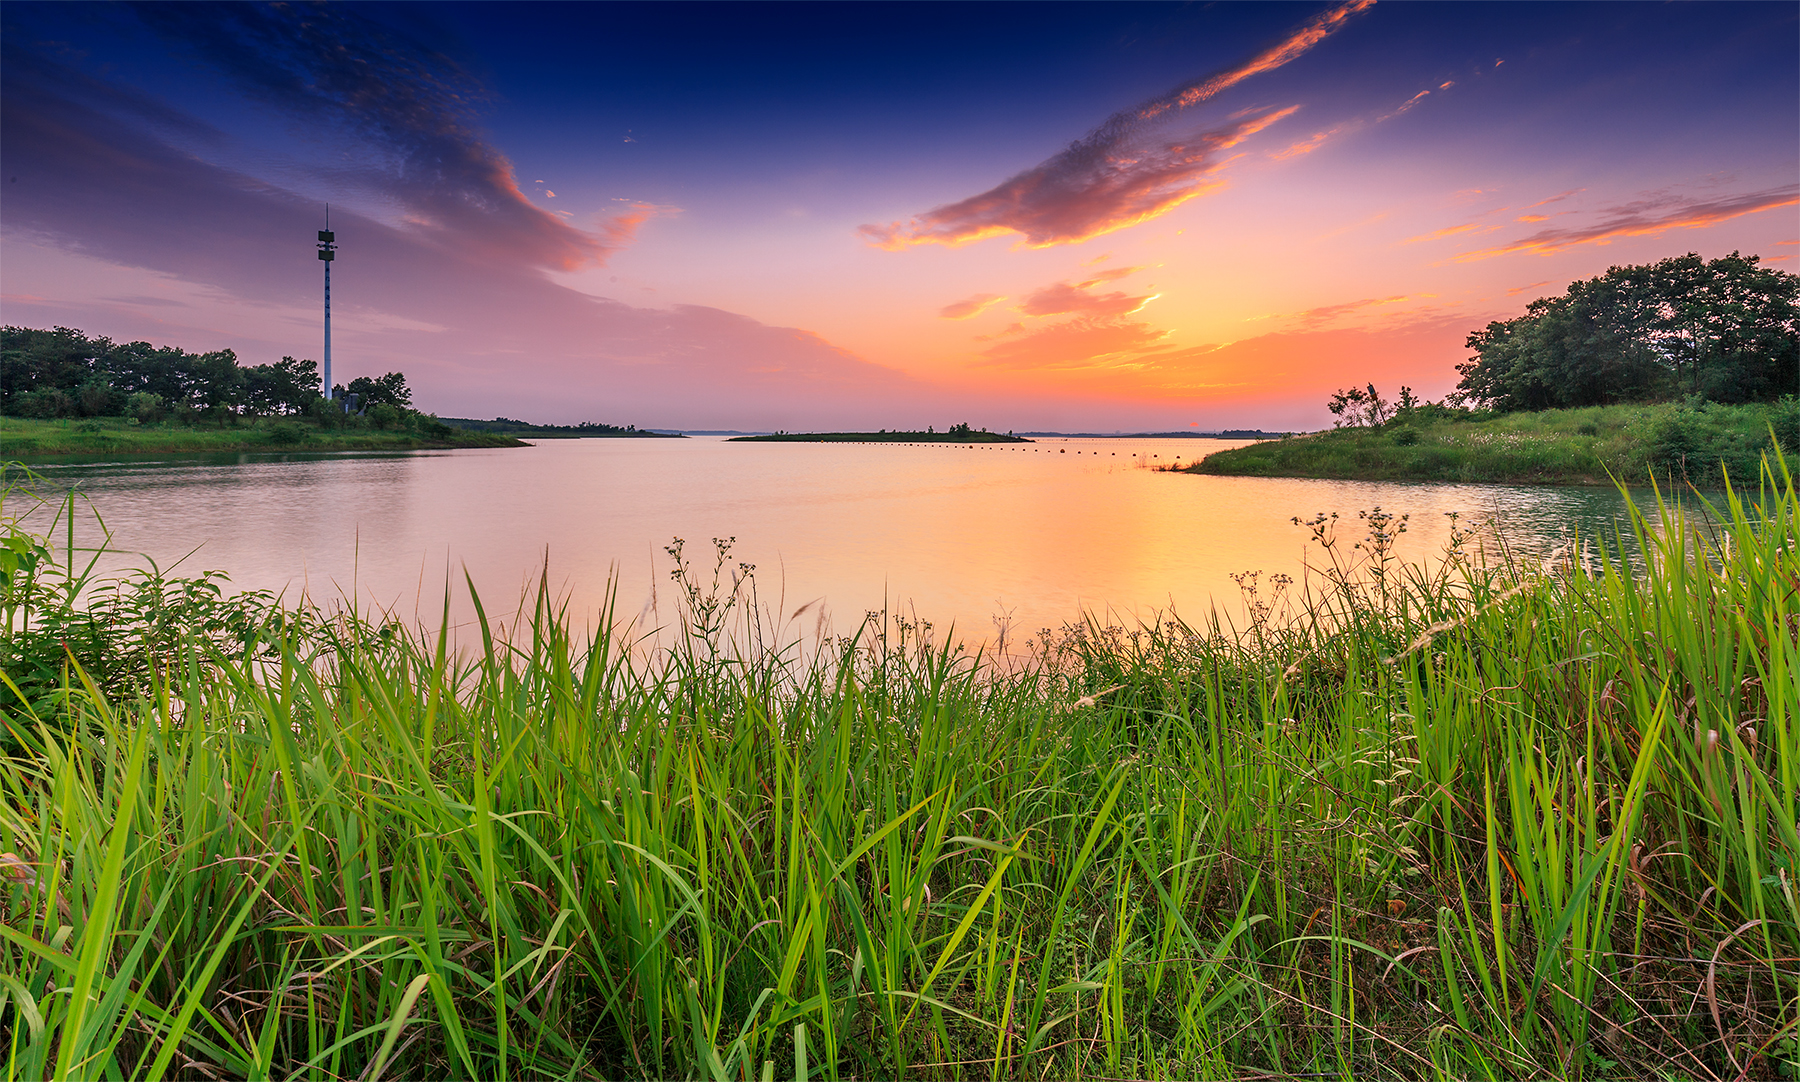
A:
<point x="1031" y="535"/>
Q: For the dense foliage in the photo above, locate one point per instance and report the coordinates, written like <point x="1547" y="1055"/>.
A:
<point x="1482" y="821"/>
<point x="64" y="373"/>
<point x="1727" y="330"/>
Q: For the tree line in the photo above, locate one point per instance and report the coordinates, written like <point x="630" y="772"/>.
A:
<point x="1727" y="330"/>
<point x="63" y="372"/>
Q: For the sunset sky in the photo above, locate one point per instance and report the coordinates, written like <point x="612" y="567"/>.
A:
<point x="1025" y="216"/>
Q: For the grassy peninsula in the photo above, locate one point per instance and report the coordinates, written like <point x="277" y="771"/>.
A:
<point x="1559" y="446"/>
<point x="960" y="433"/>
<point x="33" y="441"/>
<point x="1485" y="821"/>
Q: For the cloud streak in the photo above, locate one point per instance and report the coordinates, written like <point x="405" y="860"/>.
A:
<point x="1114" y="176"/>
<point x="413" y="108"/>
<point x="1644" y="220"/>
<point x="1063" y="298"/>
<point x="969" y="307"/>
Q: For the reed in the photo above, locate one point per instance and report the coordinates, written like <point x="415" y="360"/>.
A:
<point x="1485" y="820"/>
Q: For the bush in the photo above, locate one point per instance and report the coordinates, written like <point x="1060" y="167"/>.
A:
<point x="287" y="432"/>
<point x="1678" y="443"/>
<point x="1785" y="420"/>
<point x="97" y="399"/>
<point x="382" y="415"/>
<point x="1406" y="435"/>
<point x="145" y="407"/>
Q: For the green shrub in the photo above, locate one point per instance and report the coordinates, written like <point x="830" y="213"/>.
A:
<point x="287" y="432"/>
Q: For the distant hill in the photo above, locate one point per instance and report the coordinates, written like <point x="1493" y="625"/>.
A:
<point x="586" y="430"/>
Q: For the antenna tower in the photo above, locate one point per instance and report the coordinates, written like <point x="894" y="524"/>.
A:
<point x="327" y="252"/>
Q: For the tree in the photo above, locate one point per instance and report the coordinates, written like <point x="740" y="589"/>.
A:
<point x="388" y="390"/>
<point x="1728" y="329"/>
<point x="285" y="387"/>
<point x="1360" y="406"/>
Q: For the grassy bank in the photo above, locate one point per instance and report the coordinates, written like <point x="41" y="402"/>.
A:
<point x="1490" y="822"/>
<point x="31" y="440"/>
<point x="1578" y="446"/>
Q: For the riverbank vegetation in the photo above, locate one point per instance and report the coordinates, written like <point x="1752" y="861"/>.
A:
<point x="37" y="441"/>
<point x="1682" y="368"/>
<point x="1677" y="442"/>
<point x="65" y="393"/>
<point x="1482" y="821"/>
<point x="957" y="433"/>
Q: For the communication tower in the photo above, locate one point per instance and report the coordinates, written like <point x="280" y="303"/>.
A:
<point x="327" y="252"/>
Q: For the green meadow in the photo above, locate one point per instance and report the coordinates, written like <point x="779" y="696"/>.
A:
<point x="1488" y="820"/>
<point x="1590" y="445"/>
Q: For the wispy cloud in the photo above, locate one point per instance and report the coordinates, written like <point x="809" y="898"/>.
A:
<point x="970" y="307"/>
<point x="620" y="227"/>
<point x="1116" y="175"/>
<point x="1646" y="218"/>
<point x="413" y="108"/>
<point x="1079" y="343"/>
<point x="1325" y="315"/>
<point x="1063" y="299"/>
<point x="1447" y="231"/>
<point x="1306" y="146"/>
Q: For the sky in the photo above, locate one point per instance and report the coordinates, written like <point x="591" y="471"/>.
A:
<point x="1069" y="216"/>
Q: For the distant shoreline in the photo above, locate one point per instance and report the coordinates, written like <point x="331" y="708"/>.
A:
<point x="881" y="437"/>
<point x="506" y="426"/>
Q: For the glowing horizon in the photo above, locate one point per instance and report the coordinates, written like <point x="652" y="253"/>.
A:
<point x="1099" y="217"/>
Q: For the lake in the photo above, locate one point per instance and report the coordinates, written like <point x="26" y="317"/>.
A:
<point x="972" y="537"/>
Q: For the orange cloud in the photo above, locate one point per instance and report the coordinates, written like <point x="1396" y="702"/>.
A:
<point x="1063" y="298"/>
<point x="1081" y="343"/>
<point x="1111" y="274"/>
<point x="1314" y="318"/>
<point x="1557" y="198"/>
<point x="1449" y="231"/>
<point x="619" y="229"/>
<point x="969" y="307"/>
<point x="1516" y="290"/>
<point x="1306" y="146"/>
<point x="1107" y="193"/>
<point x="1639" y="220"/>
<point x="1533" y="218"/>
<point x="1407" y="104"/>
<point x="1114" y="176"/>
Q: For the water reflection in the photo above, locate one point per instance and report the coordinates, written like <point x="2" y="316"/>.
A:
<point x="1030" y="535"/>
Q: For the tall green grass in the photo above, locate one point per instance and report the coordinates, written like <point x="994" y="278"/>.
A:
<point x="1486" y="821"/>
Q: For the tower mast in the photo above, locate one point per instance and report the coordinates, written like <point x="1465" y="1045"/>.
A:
<point x="327" y="252"/>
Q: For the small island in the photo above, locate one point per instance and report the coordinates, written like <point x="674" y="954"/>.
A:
<point x="586" y="430"/>
<point x="958" y="433"/>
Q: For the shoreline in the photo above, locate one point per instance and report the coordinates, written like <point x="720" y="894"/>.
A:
<point x="54" y="442"/>
<point x="1581" y="448"/>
